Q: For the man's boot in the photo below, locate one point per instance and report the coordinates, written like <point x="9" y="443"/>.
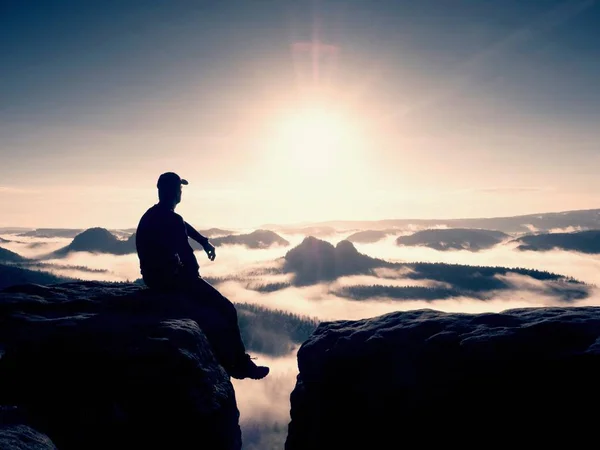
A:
<point x="245" y="368"/>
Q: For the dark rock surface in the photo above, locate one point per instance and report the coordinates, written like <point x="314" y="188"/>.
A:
<point x="521" y="378"/>
<point x="23" y="437"/>
<point x="16" y="434"/>
<point x="99" y="365"/>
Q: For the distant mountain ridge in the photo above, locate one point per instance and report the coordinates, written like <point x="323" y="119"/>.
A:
<point x="98" y="240"/>
<point x="370" y="236"/>
<point x="10" y="256"/>
<point x="101" y="240"/>
<point x="52" y="232"/>
<point x="582" y="241"/>
<point x="72" y="232"/>
<point x="586" y="219"/>
<point x="315" y="231"/>
<point x="14" y="230"/>
<point x="258" y="239"/>
<point x="315" y="260"/>
<point x="215" y="232"/>
<point x="12" y="275"/>
<point x="453" y="239"/>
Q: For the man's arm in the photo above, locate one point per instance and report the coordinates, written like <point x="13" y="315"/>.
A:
<point x="202" y="240"/>
<point x="191" y="232"/>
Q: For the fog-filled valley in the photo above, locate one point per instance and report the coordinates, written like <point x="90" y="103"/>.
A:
<point x="286" y="280"/>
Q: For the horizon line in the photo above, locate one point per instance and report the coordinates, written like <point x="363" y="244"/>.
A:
<point x="325" y="222"/>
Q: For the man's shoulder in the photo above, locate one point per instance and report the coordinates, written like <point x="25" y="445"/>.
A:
<point x="162" y="214"/>
<point x="177" y="216"/>
<point x="150" y="212"/>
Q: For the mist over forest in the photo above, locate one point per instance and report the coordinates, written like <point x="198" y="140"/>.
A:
<point x="285" y="282"/>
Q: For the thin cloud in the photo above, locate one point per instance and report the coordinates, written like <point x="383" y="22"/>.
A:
<point x="513" y="190"/>
<point x="570" y="229"/>
<point x="18" y="190"/>
<point x="121" y="267"/>
<point x="32" y="247"/>
<point x="584" y="267"/>
<point x="258" y="267"/>
<point x="317" y="301"/>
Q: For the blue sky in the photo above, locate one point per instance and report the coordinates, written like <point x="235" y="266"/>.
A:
<point x="459" y="105"/>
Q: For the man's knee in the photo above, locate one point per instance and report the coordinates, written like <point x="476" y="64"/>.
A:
<point x="229" y="308"/>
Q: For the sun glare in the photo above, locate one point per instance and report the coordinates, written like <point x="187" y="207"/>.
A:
<point x="314" y="139"/>
<point x="316" y="155"/>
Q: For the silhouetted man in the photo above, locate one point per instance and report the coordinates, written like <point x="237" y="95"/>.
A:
<point x="168" y="263"/>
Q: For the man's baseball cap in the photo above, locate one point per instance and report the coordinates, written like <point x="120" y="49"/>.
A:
<point x="170" y="180"/>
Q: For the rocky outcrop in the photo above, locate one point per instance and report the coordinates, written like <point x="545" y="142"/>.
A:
<point x="97" y="240"/>
<point x="99" y="365"/>
<point x="23" y="437"/>
<point x="16" y="434"/>
<point x="315" y="260"/>
<point x="521" y="378"/>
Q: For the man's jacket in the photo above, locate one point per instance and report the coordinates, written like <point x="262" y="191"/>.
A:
<point x="163" y="248"/>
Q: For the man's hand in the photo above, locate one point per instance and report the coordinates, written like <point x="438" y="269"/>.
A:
<point x="210" y="250"/>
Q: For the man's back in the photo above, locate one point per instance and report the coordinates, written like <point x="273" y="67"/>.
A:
<point x="168" y="263"/>
<point x="163" y="247"/>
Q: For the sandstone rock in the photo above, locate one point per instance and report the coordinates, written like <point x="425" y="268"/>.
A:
<point x="23" y="437"/>
<point x="524" y="377"/>
<point x="100" y="365"/>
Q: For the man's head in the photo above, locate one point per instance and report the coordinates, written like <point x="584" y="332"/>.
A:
<point x="169" y="187"/>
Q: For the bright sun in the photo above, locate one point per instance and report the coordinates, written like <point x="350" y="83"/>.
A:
<point x="314" y="140"/>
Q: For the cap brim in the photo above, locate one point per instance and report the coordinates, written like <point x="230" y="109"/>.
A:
<point x="185" y="182"/>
